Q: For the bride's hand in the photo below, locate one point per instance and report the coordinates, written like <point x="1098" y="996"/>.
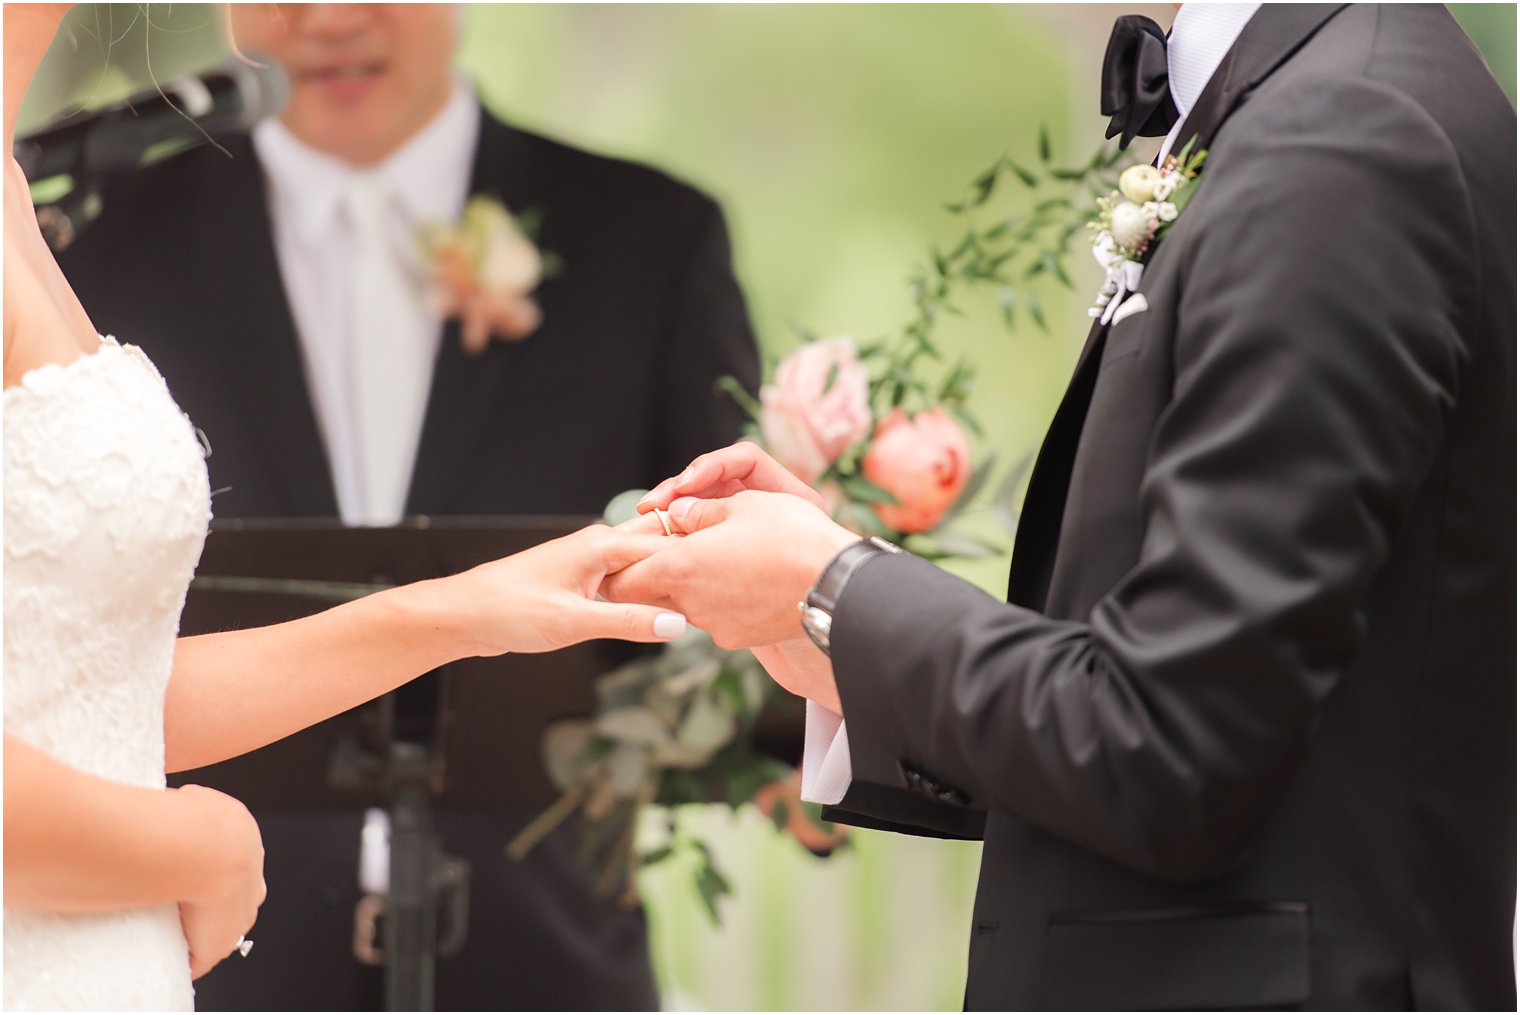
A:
<point x="725" y="472"/>
<point x="225" y="897"/>
<point x="546" y="598"/>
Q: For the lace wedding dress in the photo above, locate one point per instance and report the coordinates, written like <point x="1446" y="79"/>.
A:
<point x="106" y="507"/>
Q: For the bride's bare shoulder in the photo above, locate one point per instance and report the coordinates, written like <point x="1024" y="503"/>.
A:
<point x="44" y="322"/>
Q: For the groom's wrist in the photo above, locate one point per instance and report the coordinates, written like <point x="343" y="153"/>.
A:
<point x="818" y="607"/>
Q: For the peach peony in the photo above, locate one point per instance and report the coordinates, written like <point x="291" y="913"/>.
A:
<point x="806" y="428"/>
<point x="924" y="462"/>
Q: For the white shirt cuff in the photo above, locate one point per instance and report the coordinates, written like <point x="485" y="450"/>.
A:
<point x="825" y="756"/>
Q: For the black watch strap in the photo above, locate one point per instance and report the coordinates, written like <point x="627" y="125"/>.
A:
<point x="818" y="608"/>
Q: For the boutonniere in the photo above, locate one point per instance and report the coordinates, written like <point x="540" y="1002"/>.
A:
<point x="1134" y="217"/>
<point x="484" y="269"/>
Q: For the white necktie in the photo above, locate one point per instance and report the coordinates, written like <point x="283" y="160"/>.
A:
<point x="391" y="340"/>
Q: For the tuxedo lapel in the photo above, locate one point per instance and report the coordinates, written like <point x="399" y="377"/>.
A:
<point x="1272" y="35"/>
<point x="258" y="350"/>
<point x="1268" y="39"/>
<point x="1034" y="548"/>
<point x="469" y="391"/>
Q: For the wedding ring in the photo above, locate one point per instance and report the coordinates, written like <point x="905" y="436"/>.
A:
<point x="664" y="521"/>
<point x="244" y="946"/>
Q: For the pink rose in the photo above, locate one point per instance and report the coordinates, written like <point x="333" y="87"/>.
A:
<point x="805" y="427"/>
<point x="924" y="462"/>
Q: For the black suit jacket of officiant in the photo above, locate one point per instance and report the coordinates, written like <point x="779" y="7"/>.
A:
<point x="1245" y="736"/>
<point x="615" y="391"/>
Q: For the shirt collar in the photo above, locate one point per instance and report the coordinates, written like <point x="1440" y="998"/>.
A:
<point x="429" y="175"/>
<point x="1201" y="35"/>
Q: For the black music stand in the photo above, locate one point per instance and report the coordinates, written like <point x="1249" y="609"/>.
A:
<point x="438" y="741"/>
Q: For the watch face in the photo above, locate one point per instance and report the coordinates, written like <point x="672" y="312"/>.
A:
<point x="817" y="623"/>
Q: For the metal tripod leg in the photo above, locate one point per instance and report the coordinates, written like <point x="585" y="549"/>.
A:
<point x="411" y="922"/>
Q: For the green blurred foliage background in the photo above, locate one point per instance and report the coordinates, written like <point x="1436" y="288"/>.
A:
<point x="831" y="134"/>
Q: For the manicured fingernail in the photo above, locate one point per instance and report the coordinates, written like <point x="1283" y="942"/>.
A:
<point x="680" y="508"/>
<point x="669" y="625"/>
<point x="684" y="478"/>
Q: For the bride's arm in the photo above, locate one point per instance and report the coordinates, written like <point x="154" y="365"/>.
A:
<point x="235" y="691"/>
<point x="238" y="690"/>
<point x="77" y="843"/>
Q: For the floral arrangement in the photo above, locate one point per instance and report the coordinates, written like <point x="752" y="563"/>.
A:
<point x="882" y="431"/>
<point x="484" y="268"/>
<point x="887" y="451"/>
<point x="1134" y="216"/>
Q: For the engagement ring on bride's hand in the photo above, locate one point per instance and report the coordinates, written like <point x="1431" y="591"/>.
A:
<point x="664" y="520"/>
<point x="244" y="946"/>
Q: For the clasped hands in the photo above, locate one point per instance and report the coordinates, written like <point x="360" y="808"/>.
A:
<point x="750" y="540"/>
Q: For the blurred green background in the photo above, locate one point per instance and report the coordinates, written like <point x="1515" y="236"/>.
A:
<point x="831" y="135"/>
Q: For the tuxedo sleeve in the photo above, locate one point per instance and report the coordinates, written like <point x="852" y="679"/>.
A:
<point x="707" y="337"/>
<point x="1328" y="283"/>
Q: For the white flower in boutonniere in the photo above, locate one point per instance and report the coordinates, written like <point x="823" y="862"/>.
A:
<point x="1135" y="216"/>
<point x="484" y="268"/>
<point x="1129" y="225"/>
<point x="1138" y="183"/>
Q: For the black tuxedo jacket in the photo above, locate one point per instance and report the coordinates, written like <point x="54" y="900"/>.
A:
<point x="614" y="391"/>
<point x="1245" y="735"/>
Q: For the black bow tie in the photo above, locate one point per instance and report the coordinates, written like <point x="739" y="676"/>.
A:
<point x="1135" y="92"/>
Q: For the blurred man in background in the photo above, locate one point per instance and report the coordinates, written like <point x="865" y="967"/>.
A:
<point x="271" y="340"/>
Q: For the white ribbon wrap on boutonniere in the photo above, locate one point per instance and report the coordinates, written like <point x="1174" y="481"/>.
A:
<point x="1122" y="278"/>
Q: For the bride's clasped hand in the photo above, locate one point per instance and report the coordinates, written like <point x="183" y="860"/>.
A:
<point x="546" y="598"/>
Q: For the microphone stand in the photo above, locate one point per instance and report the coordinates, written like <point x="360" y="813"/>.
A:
<point x="400" y="752"/>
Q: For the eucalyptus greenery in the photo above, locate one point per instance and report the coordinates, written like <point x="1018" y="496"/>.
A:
<point x="670" y="730"/>
<point x="1010" y="249"/>
<point x="1015" y="227"/>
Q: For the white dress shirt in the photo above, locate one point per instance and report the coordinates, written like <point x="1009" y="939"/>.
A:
<point x="1201" y="35"/>
<point x="429" y="179"/>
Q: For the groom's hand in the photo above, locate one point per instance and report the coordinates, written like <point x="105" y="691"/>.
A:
<point x="725" y="472"/>
<point x="741" y="567"/>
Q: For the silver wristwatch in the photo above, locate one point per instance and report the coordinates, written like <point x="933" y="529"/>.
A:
<point x="818" y="608"/>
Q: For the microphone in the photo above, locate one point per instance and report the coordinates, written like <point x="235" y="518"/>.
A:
<point x="96" y="142"/>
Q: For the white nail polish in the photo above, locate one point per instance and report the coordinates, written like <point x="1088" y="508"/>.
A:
<point x="669" y="625"/>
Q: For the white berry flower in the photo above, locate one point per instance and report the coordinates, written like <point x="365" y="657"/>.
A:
<point x="1166" y="211"/>
<point x="1138" y="183"/>
<point x="1166" y="186"/>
